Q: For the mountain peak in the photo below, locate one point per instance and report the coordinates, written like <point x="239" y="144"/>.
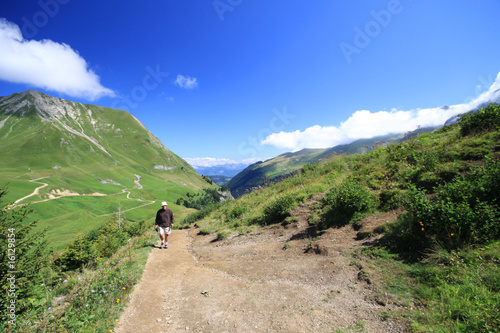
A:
<point x="80" y="132"/>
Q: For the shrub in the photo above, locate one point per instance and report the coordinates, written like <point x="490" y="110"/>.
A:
<point x="278" y="209"/>
<point x="464" y="211"/>
<point x="314" y="219"/>
<point x="221" y="235"/>
<point x="346" y="202"/>
<point x="390" y="199"/>
<point x="80" y="252"/>
<point x="363" y="235"/>
<point x="309" y="168"/>
<point x="110" y="240"/>
<point x="237" y="211"/>
<point x="196" y="216"/>
<point x="24" y="257"/>
<point x="137" y="228"/>
<point x="483" y="120"/>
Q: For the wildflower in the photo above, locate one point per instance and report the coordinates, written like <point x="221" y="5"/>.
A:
<point x="422" y="229"/>
<point x="49" y="308"/>
<point x="86" y="305"/>
<point x="452" y="259"/>
<point x="116" y="319"/>
<point x="60" y="298"/>
<point x="65" y="281"/>
<point x="42" y="285"/>
<point x="124" y="288"/>
<point x="118" y="300"/>
<point x="104" y="291"/>
<point x="452" y="234"/>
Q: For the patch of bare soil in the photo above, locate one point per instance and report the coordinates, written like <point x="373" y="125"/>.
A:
<point x="279" y="279"/>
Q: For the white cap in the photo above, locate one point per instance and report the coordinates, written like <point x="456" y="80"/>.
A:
<point x="164" y="203"/>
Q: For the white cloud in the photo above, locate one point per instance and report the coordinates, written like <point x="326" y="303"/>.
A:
<point x="211" y="161"/>
<point x="46" y="64"/>
<point x="368" y="124"/>
<point x="186" y="82"/>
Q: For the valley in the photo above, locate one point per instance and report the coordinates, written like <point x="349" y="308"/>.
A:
<point x="345" y="241"/>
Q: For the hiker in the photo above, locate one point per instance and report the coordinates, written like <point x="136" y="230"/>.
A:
<point x="163" y="223"/>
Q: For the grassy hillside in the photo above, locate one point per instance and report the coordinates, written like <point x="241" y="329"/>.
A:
<point x="439" y="262"/>
<point x="441" y="258"/>
<point x="261" y="173"/>
<point x="87" y="161"/>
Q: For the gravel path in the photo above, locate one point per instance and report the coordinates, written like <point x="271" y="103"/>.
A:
<point x="263" y="282"/>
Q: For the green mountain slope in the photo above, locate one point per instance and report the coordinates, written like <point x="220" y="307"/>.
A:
<point x="86" y="161"/>
<point x="426" y="213"/>
<point x="258" y="174"/>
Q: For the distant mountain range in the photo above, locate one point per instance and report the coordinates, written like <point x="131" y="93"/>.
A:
<point x="258" y="173"/>
<point x="221" y="174"/>
<point x="227" y="170"/>
<point x="78" y="163"/>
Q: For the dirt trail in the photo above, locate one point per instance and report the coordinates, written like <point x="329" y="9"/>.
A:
<point x="35" y="192"/>
<point x="263" y="282"/>
<point x="151" y="303"/>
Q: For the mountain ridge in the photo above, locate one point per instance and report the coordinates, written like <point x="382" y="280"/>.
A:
<point x="78" y="163"/>
<point x="257" y="174"/>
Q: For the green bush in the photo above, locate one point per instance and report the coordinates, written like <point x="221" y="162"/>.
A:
<point x="110" y="239"/>
<point x="24" y="261"/>
<point x="79" y="253"/>
<point x="346" y="202"/>
<point x="485" y="119"/>
<point x="314" y="219"/>
<point x="390" y="199"/>
<point x="464" y="211"/>
<point x="137" y="228"/>
<point x="237" y="211"/>
<point x="196" y="216"/>
<point x="221" y="235"/>
<point x="278" y="209"/>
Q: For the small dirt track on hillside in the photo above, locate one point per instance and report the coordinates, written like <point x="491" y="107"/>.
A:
<point x="255" y="283"/>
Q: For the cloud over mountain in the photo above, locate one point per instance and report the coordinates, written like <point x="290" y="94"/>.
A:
<point x="46" y="64"/>
<point x="367" y="124"/>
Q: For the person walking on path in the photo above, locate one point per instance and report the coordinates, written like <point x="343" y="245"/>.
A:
<point x="163" y="224"/>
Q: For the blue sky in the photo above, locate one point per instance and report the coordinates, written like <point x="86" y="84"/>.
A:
<point x="231" y="80"/>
